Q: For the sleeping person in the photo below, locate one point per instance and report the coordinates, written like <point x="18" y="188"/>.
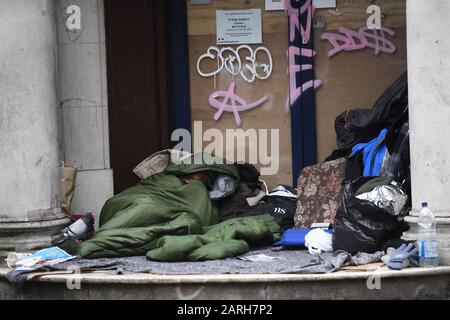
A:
<point x="172" y="216"/>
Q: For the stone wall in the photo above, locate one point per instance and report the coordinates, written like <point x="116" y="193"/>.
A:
<point x="83" y="102"/>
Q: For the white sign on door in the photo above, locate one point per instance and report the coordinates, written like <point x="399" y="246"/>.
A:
<point x="274" y="5"/>
<point x="239" y="26"/>
<point x="324" y="4"/>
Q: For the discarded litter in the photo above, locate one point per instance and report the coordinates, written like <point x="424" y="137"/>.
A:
<point x="14" y="257"/>
<point x="45" y="257"/>
<point x="258" y="258"/>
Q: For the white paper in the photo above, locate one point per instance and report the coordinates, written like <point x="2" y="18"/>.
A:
<point x="239" y="26"/>
<point x="321" y="225"/>
<point x="258" y="258"/>
<point x="324" y="4"/>
<point x="272" y="5"/>
<point x="48" y="257"/>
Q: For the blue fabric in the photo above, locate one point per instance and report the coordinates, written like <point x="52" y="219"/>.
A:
<point x="303" y="110"/>
<point x="373" y="154"/>
<point x="180" y="100"/>
<point x="295" y="237"/>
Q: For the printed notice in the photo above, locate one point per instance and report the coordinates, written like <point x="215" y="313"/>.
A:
<point x="239" y="26"/>
<point x="319" y="4"/>
<point x="272" y="5"/>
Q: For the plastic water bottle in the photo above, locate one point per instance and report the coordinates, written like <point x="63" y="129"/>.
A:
<point x="427" y="241"/>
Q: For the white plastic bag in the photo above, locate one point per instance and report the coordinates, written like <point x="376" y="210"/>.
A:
<point x="318" y="241"/>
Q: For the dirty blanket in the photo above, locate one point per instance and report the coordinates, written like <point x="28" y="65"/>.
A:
<point x="285" y="262"/>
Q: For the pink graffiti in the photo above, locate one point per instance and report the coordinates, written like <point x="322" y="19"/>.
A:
<point x="293" y="51"/>
<point x="294" y="20"/>
<point x="237" y="105"/>
<point x="296" y="92"/>
<point x="350" y="40"/>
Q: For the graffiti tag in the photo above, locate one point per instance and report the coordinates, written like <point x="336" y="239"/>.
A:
<point x="230" y="59"/>
<point x="295" y="52"/>
<point x="350" y="40"/>
<point x="237" y="104"/>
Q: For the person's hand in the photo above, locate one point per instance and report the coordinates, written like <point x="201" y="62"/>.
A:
<point x="400" y="259"/>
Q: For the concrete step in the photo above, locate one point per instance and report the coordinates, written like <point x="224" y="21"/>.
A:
<point x="412" y="283"/>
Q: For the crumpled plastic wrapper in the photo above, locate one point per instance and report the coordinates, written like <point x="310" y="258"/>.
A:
<point x="389" y="197"/>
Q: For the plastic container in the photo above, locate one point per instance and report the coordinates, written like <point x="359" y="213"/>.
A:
<point x="427" y="242"/>
<point x="15" y="257"/>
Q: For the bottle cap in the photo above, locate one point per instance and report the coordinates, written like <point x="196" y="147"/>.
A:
<point x="424" y="204"/>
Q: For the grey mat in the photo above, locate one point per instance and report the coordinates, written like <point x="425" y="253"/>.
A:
<point x="288" y="261"/>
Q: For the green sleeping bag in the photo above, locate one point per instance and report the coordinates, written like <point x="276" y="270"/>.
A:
<point x="167" y="220"/>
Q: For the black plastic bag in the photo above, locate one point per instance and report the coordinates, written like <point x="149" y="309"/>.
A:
<point x="361" y="226"/>
<point x="362" y="125"/>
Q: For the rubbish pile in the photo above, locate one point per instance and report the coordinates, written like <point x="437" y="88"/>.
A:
<point x="363" y="189"/>
<point x="27" y="262"/>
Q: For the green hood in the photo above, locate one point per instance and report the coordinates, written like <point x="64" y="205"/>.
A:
<point x="203" y="162"/>
<point x="206" y="162"/>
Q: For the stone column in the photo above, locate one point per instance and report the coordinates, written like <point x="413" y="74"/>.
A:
<point x="429" y="109"/>
<point x="83" y="101"/>
<point x="29" y="174"/>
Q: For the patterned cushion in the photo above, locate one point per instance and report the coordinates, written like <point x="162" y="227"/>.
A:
<point x="319" y="192"/>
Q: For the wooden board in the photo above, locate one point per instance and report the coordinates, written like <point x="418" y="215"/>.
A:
<point x="272" y="114"/>
<point x="349" y="13"/>
<point x="350" y="79"/>
<point x="352" y="13"/>
<point x="364" y="268"/>
<point x="354" y="79"/>
<point x="202" y="18"/>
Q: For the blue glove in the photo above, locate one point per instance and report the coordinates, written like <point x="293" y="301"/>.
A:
<point x="400" y="259"/>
